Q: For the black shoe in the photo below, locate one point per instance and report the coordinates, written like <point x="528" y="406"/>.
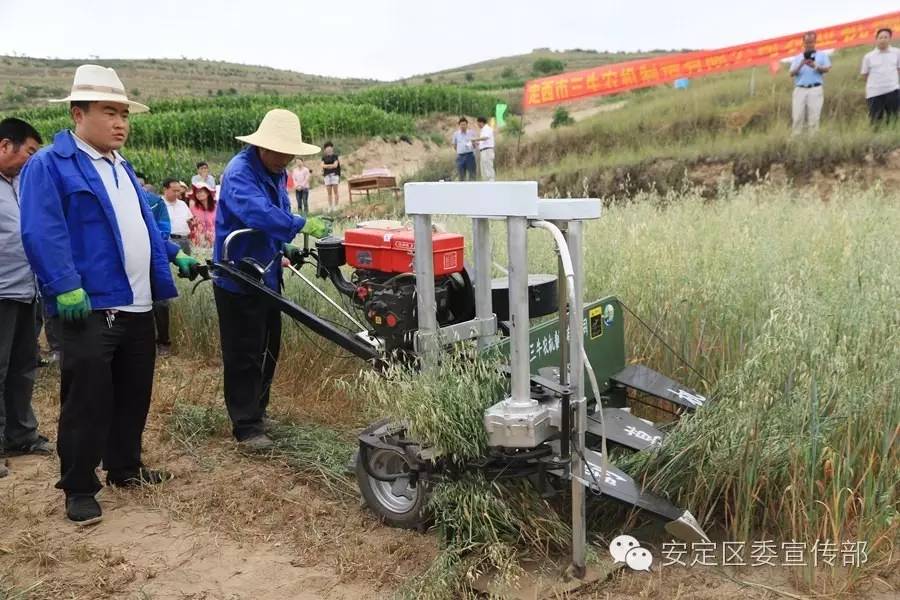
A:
<point x="41" y="447"/>
<point x="143" y="476"/>
<point x="3" y="471"/>
<point x="163" y="349"/>
<point x="83" y="509"/>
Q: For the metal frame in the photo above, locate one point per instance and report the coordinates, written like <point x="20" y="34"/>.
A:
<point x="478" y="202"/>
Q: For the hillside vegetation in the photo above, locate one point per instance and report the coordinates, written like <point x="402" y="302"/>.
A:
<point x="30" y="81"/>
<point x="735" y="125"/>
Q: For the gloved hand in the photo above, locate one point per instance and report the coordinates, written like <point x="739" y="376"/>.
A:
<point x="184" y="264"/>
<point x="292" y="253"/>
<point x="316" y="227"/>
<point x="73" y="305"/>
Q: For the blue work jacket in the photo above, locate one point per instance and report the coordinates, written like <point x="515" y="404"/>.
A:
<point x="252" y="197"/>
<point x="71" y="235"/>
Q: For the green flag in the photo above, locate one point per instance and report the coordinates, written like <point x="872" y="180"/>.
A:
<point x="500" y="111"/>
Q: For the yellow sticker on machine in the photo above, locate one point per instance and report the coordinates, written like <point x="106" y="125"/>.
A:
<point x="595" y="322"/>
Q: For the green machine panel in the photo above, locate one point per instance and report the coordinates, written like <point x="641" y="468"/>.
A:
<point x="603" y="326"/>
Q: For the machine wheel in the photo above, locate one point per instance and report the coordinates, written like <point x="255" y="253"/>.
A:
<point x="396" y="502"/>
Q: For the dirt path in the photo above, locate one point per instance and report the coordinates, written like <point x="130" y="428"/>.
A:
<point x="541" y="121"/>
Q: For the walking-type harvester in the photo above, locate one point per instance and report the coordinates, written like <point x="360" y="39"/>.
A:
<point x="568" y="376"/>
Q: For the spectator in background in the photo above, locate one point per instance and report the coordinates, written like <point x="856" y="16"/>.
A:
<point x="203" y="176"/>
<point x="182" y="191"/>
<point x="465" y="150"/>
<point x="808" y="69"/>
<point x="18" y="302"/>
<point x="300" y="178"/>
<point x="881" y="70"/>
<point x="203" y="208"/>
<point x="331" y="171"/>
<point x="179" y="215"/>
<point x="160" y="307"/>
<point x="485" y="141"/>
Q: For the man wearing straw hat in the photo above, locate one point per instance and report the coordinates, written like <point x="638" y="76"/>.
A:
<point x="254" y="195"/>
<point x="101" y="263"/>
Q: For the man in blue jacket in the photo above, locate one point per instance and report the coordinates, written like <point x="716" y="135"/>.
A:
<point x="254" y="196"/>
<point x="101" y="262"/>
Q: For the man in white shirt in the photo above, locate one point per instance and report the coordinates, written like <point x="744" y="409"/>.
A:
<point x="881" y="70"/>
<point x="180" y="215"/>
<point x="203" y="176"/>
<point x="485" y="141"/>
<point x="180" y="221"/>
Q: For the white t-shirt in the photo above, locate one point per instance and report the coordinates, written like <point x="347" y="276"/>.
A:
<point x="882" y="69"/>
<point x="132" y="228"/>
<point x="486" y="132"/>
<point x="179" y="215"/>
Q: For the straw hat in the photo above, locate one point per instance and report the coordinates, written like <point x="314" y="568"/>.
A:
<point x="280" y="132"/>
<point x="94" y="83"/>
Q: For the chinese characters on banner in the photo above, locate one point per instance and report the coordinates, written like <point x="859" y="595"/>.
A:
<point x="631" y="75"/>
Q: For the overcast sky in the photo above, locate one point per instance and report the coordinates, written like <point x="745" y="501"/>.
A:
<point x="389" y="39"/>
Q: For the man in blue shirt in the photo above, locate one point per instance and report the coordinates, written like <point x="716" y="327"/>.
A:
<point x="254" y="196"/>
<point x="101" y="263"/>
<point x="465" y="150"/>
<point x="807" y="70"/>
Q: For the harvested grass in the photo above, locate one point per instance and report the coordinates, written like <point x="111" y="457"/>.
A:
<point x="444" y="406"/>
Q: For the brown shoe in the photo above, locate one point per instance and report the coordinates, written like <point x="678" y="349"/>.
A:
<point x="257" y="443"/>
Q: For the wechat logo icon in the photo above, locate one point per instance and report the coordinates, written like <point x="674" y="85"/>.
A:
<point x="626" y="549"/>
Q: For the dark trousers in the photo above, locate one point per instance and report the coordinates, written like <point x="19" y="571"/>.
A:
<point x="161" y="318"/>
<point x="161" y="307"/>
<point x="18" y="361"/>
<point x="50" y="326"/>
<point x="107" y="379"/>
<point x="465" y="163"/>
<point x="884" y="107"/>
<point x="250" y="331"/>
<point x="302" y="200"/>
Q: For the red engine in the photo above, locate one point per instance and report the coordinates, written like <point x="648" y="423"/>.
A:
<point x="390" y="250"/>
<point x="383" y="284"/>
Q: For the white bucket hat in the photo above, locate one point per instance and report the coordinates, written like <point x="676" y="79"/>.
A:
<point x="279" y="131"/>
<point x="94" y="83"/>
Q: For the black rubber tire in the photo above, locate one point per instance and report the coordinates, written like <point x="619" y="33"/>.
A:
<point x="415" y="517"/>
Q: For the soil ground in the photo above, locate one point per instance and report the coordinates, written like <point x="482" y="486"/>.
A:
<point x="235" y="527"/>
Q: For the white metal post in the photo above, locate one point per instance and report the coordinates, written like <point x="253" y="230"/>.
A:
<point x="517" y="245"/>
<point x="481" y="248"/>
<point x="575" y="241"/>
<point x="423" y="263"/>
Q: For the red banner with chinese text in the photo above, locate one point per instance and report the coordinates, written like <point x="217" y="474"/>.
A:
<point x="635" y="74"/>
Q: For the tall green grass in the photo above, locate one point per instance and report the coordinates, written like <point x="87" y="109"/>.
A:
<point x="787" y="307"/>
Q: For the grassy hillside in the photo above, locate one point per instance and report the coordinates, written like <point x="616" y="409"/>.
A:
<point x="520" y="67"/>
<point x="169" y="140"/>
<point x="30" y="81"/>
<point x="736" y="126"/>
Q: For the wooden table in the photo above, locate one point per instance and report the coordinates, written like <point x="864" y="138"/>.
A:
<point x="364" y="184"/>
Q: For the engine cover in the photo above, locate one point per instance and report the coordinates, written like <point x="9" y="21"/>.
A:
<point x="390" y="250"/>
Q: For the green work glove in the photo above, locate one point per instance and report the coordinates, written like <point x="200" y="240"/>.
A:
<point x="316" y="227"/>
<point x="73" y="305"/>
<point x="292" y="253"/>
<point x="184" y="264"/>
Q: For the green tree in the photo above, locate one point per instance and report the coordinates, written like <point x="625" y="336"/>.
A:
<point x="561" y="118"/>
<point x="548" y="66"/>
